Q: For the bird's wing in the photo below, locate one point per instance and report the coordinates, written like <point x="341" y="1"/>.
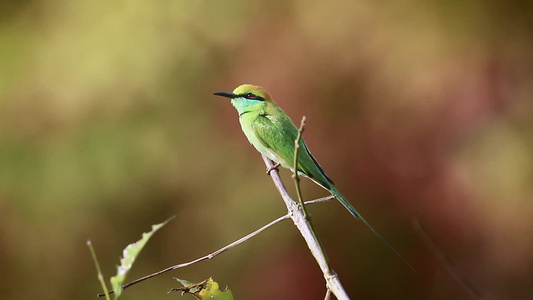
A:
<point x="278" y="133"/>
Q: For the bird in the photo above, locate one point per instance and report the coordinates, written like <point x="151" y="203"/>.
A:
<point x="270" y="130"/>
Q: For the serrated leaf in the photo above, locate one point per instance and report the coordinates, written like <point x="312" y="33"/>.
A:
<point x="205" y="290"/>
<point x="129" y="255"/>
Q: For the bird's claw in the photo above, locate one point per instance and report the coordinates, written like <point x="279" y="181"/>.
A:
<point x="269" y="169"/>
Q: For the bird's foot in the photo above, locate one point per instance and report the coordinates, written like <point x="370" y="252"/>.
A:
<point x="269" y="169"/>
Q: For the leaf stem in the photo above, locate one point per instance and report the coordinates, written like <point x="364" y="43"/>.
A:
<point x="98" y="270"/>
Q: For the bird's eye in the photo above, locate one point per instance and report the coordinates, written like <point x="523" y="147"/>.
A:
<point x="250" y="96"/>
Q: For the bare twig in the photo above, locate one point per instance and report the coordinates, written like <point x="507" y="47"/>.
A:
<point x="206" y="257"/>
<point x="328" y="295"/>
<point x="299" y="191"/>
<point x="445" y="260"/>
<point x="209" y="256"/>
<point x="323" y="199"/>
<point x="301" y="222"/>
<point x="302" y="204"/>
<point x="295" y="212"/>
<point x="295" y="167"/>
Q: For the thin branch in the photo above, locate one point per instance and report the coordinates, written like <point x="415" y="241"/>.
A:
<point x="445" y="260"/>
<point x="299" y="192"/>
<point x="296" y="214"/>
<point x="328" y="295"/>
<point x="209" y="256"/>
<point x="295" y="166"/>
<point x="319" y="200"/>
<point x="206" y="257"/>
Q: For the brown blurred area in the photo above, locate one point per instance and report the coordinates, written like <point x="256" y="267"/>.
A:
<point x="416" y="109"/>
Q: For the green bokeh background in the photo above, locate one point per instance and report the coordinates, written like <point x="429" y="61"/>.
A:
<point x="414" y="108"/>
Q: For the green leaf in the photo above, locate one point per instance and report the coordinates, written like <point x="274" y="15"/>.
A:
<point x="205" y="290"/>
<point x="130" y="253"/>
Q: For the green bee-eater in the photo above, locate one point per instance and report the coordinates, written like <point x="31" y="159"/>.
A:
<point x="272" y="133"/>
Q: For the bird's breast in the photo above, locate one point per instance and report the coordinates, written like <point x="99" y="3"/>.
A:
<point x="247" y="121"/>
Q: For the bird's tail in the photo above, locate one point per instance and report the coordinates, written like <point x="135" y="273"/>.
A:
<point x="357" y="215"/>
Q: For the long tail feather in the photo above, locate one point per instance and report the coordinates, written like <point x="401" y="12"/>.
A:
<point x="356" y="214"/>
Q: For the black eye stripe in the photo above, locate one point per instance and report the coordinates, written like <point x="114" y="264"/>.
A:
<point x="251" y="96"/>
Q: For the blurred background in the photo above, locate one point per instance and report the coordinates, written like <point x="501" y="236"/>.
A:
<point x="416" y="109"/>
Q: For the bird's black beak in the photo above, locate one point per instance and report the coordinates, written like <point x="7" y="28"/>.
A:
<point x="226" y="94"/>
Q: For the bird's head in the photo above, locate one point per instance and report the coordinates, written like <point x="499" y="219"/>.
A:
<point x="248" y="97"/>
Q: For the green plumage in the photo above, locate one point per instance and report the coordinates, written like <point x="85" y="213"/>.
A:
<point x="272" y="133"/>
